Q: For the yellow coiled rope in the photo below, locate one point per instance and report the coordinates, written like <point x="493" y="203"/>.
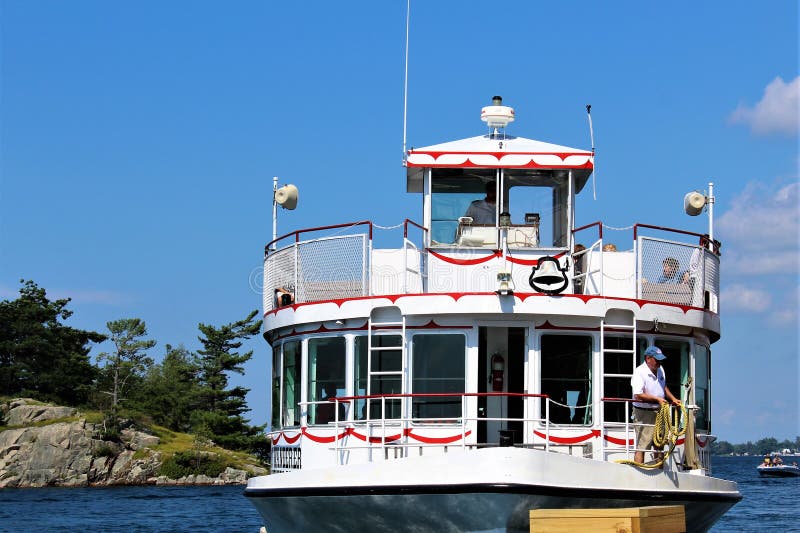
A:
<point x="669" y="426"/>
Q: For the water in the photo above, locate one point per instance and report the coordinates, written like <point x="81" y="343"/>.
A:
<point x="768" y="505"/>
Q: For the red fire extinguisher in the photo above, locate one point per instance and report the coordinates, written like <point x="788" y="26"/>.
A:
<point x="498" y="372"/>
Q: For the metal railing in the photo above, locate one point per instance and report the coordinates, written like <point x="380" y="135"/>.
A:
<point x="334" y="266"/>
<point x="628" y="429"/>
<point x="340" y="266"/>
<point x="672" y="271"/>
<point x="385" y="434"/>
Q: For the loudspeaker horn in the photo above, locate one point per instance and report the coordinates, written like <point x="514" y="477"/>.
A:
<point x="693" y="203"/>
<point x="286" y="197"/>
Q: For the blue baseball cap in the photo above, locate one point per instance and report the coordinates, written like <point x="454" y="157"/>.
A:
<point x="655" y="352"/>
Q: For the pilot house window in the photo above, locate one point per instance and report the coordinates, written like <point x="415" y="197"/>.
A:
<point x="567" y="378"/>
<point x="466" y="205"/>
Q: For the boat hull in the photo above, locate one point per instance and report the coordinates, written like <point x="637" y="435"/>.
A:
<point x="485" y="490"/>
<point x="779" y="471"/>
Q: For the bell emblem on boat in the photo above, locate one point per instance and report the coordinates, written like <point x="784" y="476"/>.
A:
<point x="548" y="277"/>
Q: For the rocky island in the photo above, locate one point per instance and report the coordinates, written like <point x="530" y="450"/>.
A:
<point x="48" y="445"/>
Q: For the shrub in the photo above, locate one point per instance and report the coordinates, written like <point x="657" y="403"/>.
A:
<point x="104" y="450"/>
<point x="188" y="463"/>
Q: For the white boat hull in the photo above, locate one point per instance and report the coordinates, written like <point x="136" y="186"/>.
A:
<point x="779" y="471"/>
<point x="492" y="489"/>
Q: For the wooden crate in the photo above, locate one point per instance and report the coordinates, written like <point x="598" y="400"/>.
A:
<point x="660" y="519"/>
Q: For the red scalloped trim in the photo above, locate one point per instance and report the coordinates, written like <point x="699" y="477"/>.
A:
<point x="568" y="440"/>
<point x="464" y="262"/>
<point x="620" y="442"/>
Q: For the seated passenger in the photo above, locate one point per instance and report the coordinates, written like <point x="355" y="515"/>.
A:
<point x="483" y="211"/>
<point x="610" y="247"/>
<point x="670" y="273"/>
<point x="283" y="297"/>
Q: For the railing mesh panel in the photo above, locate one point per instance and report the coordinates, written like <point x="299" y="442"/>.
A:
<point x="278" y="272"/>
<point x="322" y="269"/>
<point x="675" y="272"/>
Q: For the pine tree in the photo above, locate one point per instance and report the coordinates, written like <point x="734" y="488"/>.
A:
<point x="39" y="355"/>
<point x="220" y="411"/>
<point x="127" y="362"/>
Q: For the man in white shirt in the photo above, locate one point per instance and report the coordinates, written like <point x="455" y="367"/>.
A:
<point x="649" y="384"/>
<point x="483" y="211"/>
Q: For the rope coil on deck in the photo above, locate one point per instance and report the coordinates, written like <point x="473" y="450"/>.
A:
<point x="666" y="430"/>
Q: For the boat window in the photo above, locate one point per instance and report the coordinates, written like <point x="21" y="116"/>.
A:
<point x="290" y="390"/>
<point x="676" y="365"/>
<point x="453" y="192"/>
<point x="386" y="357"/>
<point x="438" y="366"/>
<point x="537" y="198"/>
<point x="567" y="378"/>
<point x="326" y="377"/>
<point x="276" y="387"/>
<point x="617" y="371"/>
<point x="702" y="386"/>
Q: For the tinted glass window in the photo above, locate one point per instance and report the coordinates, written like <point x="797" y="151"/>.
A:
<point x="290" y="390"/>
<point x="567" y="378"/>
<point x="326" y="378"/>
<point x="438" y="367"/>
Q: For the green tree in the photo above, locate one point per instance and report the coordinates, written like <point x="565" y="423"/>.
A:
<point x="129" y="360"/>
<point x="220" y="409"/>
<point x="39" y="355"/>
<point x="170" y="390"/>
<point x="721" y="447"/>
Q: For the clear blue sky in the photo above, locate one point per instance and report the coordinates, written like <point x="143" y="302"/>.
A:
<point x="139" y="141"/>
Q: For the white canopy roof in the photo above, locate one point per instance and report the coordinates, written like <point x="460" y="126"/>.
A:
<point x="488" y="151"/>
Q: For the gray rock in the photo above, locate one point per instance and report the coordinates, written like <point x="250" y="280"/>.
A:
<point x="137" y="439"/>
<point x="68" y="454"/>
<point x="21" y="413"/>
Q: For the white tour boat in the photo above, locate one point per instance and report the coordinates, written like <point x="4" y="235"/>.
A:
<point x="481" y="368"/>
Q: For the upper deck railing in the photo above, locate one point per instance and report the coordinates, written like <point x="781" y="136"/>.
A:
<point x="341" y="261"/>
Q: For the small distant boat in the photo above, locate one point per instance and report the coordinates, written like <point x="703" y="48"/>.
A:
<point x="779" y="470"/>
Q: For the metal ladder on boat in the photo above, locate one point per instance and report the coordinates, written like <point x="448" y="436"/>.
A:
<point x="616" y="326"/>
<point x="373" y="325"/>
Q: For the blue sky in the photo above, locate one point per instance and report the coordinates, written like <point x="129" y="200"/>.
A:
<point x="138" y="143"/>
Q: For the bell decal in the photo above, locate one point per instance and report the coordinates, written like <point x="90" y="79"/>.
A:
<point x="548" y="277"/>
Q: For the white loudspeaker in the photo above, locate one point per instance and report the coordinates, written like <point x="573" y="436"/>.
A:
<point x="286" y="197"/>
<point x="693" y="203"/>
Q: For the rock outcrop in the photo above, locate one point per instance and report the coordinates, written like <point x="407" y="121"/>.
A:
<point x="45" y="445"/>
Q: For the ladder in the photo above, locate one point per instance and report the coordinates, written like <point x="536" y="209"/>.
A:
<point x="627" y="330"/>
<point x="375" y="324"/>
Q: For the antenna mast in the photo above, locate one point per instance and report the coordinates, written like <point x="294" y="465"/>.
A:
<point x="591" y="136"/>
<point x="405" y="83"/>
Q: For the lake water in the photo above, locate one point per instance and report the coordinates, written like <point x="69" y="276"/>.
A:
<point x="768" y="505"/>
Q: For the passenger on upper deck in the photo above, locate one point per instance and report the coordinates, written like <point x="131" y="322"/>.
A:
<point x="670" y="273"/>
<point x="283" y="297"/>
<point x="483" y="211"/>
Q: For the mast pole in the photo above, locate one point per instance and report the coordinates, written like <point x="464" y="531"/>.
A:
<point x="405" y="82"/>
<point x="274" y="211"/>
